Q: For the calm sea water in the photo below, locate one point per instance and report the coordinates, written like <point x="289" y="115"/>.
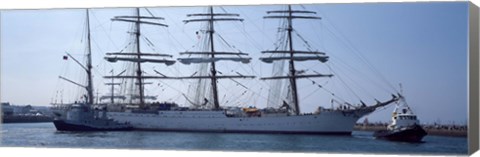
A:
<point x="45" y="135"/>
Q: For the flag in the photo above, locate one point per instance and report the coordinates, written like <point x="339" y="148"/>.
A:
<point x="65" y="57"/>
<point x="198" y="35"/>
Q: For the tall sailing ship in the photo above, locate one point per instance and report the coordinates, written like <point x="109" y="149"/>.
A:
<point x="288" y="118"/>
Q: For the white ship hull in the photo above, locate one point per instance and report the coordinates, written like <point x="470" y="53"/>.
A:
<point x="328" y="122"/>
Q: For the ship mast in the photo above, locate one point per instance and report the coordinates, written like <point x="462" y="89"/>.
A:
<point x="137" y="57"/>
<point x="87" y="67"/>
<point x="213" y="69"/>
<point x="139" y="66"/>
<point x="291" y="65"/>
<point x="210" y="18"/>
<point x="112" y="88"/>
<point x="293" y="55"/>
<point x="89" y="63"/>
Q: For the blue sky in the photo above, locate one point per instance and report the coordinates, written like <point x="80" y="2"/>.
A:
<point x="421" y="45"/>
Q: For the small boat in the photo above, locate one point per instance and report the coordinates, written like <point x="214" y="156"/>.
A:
<point x="81" y="117"/>
<point x="405" y="125"/>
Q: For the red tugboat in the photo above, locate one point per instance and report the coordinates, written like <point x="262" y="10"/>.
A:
<point x="405" y="125"/>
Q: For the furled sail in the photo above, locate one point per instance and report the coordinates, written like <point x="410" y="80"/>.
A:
<point x="140" y="60"/>
<point x="145" y="97"/>
<point x="297" y="76"/>
<point x="322" y="59"/>
<point x="214" y="53"/>
<point x="296" y="52"/>
<point x="209" y="60"/>
<point x="115" y="97"/>
<point x="137" y="54"/>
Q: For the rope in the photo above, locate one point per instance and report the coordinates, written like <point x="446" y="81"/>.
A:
<point x="304" y="41"/>
<point x="344" y="83"/>
<point x="362" y="57"/>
